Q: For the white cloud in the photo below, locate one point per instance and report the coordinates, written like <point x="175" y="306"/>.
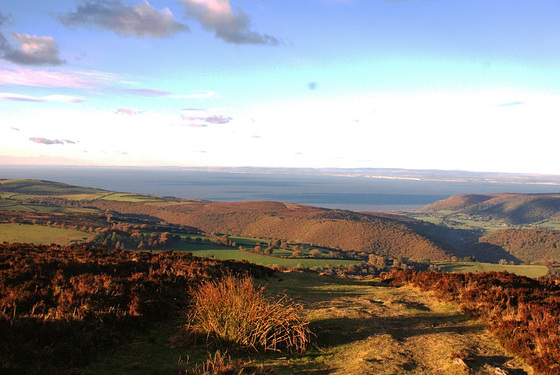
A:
<point x="140" y="21"/>
<point x="218" y="16"/>
<point x="32" y="50"/>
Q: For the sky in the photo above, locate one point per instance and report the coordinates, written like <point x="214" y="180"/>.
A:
<point x="418" y="84"/>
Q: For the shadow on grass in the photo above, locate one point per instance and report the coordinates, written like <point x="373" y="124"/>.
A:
<point x="478" y="362"/>
<point x="340" y="331"/>
<point x="311" y="287"/>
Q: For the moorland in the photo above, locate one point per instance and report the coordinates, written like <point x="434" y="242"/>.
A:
<point x="96" y="281"/>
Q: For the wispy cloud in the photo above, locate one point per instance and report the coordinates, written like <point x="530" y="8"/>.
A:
<point x="48" y="98"/>
<point x="23" y="76"/>
<point x="202" y="119"/>
<point x="204" y="95"/>
<point x="510" y="104"/>
<point x="218" y="16"/>
<point x="140" y="20"/>
<point x="128" y="111"/>
<point x="4" y="44"/>
<point x="147" y="92"/>
<point x="31" y="50"/>
<point x="216" y="119"/>
<point x="46" y="141"/>
<point x="164" y="93"/>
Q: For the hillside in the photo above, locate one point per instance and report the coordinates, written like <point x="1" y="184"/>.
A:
<point x="507" y="208"/>
<point x="528" y="245"/>
<point x="345" y="230"/>
<point x="295" y="223"/>
<point x="60" y="307"/>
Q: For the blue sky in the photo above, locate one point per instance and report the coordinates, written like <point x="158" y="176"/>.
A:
<point x="470" y="85"/>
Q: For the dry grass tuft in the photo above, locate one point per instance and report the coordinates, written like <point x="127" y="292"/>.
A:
<point x="235" y="310"/>
<point x="222" y="364"/>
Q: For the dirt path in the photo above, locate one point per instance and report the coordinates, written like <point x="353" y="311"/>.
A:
<point x="362" y="327"/>
<point x="369" y="328"/>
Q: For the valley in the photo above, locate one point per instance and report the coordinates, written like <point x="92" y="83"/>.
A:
<point x="330" y="262"/>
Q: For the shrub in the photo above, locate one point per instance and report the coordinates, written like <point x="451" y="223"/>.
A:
<point x="235" y="310"/>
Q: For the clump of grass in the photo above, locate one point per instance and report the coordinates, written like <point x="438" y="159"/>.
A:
<point x="222" y="364"/>
<point x="236" y="310"/>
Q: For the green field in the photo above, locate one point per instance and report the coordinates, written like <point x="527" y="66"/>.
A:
<point x="461" y="223"/>
<point x="39" y="234"/>
<point x="533" y="271"/>
<point x="23" y="190"/>
<point x="218" y="252"/>
<point x="133" y="198"/>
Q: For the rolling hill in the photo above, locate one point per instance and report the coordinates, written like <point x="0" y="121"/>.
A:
<point x="513" y="209"/>
<point x="528" y="245"/>
<point x="345" y="230"/>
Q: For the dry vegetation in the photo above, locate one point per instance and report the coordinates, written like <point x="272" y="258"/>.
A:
<point x="296" y="223"/>
<point x="235" y="310"/>
<point x="59" y="307"/>
<point x="345" y="230"/>
<point x="528" y="245"/>
<point x="521" y="312"/>
<point x="508" y="208"/>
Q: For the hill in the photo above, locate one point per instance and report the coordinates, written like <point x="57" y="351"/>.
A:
<point x="528" y="245"/>
<point x="515" y="209"/>
<point x="62" y="306"/>
<point x="295" y="223"/>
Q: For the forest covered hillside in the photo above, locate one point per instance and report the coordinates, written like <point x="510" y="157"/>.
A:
<point x="345" y="230"/>
<point x="507" y="208"/>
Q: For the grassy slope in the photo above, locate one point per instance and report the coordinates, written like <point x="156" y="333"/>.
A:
<point x="39" y="234"/>
<point x="297" y="223"/>
<point x="529" y="245"/>
<point x="507" y="208"/>
<point x="220" y="252"/>
<point x="362" y="327"/>
<point x="533" y="271"/>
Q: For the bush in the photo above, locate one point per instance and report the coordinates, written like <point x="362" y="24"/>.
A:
<point x="235" y="310"/>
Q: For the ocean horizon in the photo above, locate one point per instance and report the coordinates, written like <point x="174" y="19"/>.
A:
<point x="342" y="192"/>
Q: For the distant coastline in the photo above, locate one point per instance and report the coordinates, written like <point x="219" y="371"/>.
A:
<point x="352" y="189"/>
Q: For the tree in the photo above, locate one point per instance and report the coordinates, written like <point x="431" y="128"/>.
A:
<point x="315" y="253"/>
<point x="378" y="262"/>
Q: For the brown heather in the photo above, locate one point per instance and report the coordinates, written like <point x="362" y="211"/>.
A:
<point x="235" y="310"/>
<point x="378" y="234"/>
<point x="528" y="245"/>
<point x="60" y="307"/>
<point x="522" y="313"/>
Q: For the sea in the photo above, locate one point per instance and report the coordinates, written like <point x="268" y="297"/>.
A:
<point x="343" y="192"/>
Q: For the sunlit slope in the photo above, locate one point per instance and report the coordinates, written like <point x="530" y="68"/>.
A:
<point x="509" y="208"/>
<point x="275" y="220"/>
<point x="528" y="245"/>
